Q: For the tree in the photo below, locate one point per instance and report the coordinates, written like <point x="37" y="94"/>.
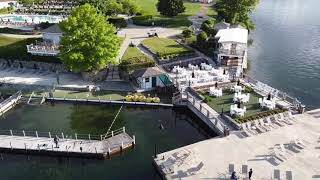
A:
<point x="208" y="27"/>
<point x="202" y="38"/>
<point x="236" y="11"/>
<point x="130" y="7"/>
<point x="112" y="8"/>
<point x="88" y="43"/>
<point x="170" y="8"/>
<point x="186" y="33"/>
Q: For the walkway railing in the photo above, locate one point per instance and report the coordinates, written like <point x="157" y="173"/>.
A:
<point x="63" y="136"/>
<point x="10" y="102"/>
<point x="266" y="89"/>
<point x="207" y="113"/>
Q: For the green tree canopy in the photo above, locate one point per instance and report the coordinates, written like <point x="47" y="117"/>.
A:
<point x="208" y="27"/>
<point x="202" y="38"/>
<point x="170" y="8"/>
<point x="88" y="43"/>
<point x="236" y="11"/>
<point x="114" y="7"/>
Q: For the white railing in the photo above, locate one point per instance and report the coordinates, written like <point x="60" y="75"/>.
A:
<point x="43" y="50"/>
<point x="266" y="89"/>
<point x="214" y="119"/>
<point x="9" y="102"/>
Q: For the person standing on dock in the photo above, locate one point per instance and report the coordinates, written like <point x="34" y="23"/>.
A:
<point x="250" y="173"/>
<point x="56" y="141"/>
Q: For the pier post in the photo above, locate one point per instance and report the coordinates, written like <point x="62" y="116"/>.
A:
<point x="52" y="147"/>
<point x="124" y="129"/>
<point x="112" y="133"/>
<point x="200" y="107"/>
<point x="50" y="135"/>
<point x="24" y="134"/>
<point x="25" y="146"/>
<point x="37" y="134"/>
<point x="89" y="137"/>
<point x="11" y="145"/>
<point x="11" y="132"/>
<point x="193" y="101"/>
<point x="109" y="152"/>
<point x="96" y="150"/>
<point x="134" y="140"/>
<point x="76" y="136"/>
<point x="101" y="137"/>
<point x="208" y="115"/>
<point x="62" y="135"/>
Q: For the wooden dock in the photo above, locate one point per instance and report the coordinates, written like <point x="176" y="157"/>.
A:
<point x="84" y="146"/>
<point x="101" y="101"/>
<point x="9" y="103"/>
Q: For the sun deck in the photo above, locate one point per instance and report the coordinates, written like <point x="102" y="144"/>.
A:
<point x="211" y="158"/>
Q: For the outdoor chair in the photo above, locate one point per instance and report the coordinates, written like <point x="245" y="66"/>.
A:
<point x="276" y="174"/>
<point x="231" y="168"/>
<point x="288" y="175"/>
<point x="245" y="130"/>
<point x="244" y="169"/>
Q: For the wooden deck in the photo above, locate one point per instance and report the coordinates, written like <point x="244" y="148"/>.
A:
<point x="66" y="147"/>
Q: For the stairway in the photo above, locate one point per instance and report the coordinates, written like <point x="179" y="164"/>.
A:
<point x="113" y="74"/>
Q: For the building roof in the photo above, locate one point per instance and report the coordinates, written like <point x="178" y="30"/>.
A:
<point x="53" y="29"/>
<point x="221" y="25"/>
<point x="237" y="26"/>
<point x="148" y="72"/>
<point x="237" y="35"/>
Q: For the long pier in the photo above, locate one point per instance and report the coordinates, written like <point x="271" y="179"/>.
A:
<point x="110" y="102"/>
<point x="77" y="145"/>
<point x="9" y="103"/>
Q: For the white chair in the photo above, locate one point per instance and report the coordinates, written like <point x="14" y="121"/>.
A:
<point x="260" y="102"/>
<point x="244" y="109"/>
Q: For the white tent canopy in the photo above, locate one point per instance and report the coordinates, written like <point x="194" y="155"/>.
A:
<point x="237" y="35"/>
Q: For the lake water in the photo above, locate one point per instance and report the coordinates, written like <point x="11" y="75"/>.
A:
<point x="286" y="47"/>
<point x="179" y="130"/>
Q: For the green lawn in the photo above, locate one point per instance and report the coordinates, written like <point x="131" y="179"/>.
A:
<point x="164" y="47"/>
<point x="133" y="52"/>
<point x="227" y="99"/>
<point x="148" y="7"/>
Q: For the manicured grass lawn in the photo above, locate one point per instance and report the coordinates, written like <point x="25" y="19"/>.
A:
<point x="164" y="47"/>
<point x="227" y="99"/>
<point x="148" y="7"/>
<point x="133" y="52"/>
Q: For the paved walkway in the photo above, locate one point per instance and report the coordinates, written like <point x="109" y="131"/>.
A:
<point x="46" y="78"/>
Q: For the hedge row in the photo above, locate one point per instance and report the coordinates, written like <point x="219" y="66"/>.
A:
<point x="118" y="22"/>
<point x="260" y="115"/>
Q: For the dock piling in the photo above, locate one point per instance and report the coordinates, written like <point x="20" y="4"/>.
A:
<point x="37" y="134"/>
<point x="11" y="132"/>
<point x="11" y="146"/>
<point x="62" y="135"/>
<point x="112" y="133"/>
<point x="124" y="129"/>
<point x="50" y="135"/>
<point x="134" y="140"/>
<point x="76" y="136"/>
<point x="89" y="136"/>
<point x="24" y="134"/>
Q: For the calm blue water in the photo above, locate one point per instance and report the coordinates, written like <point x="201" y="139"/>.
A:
<point x="286" y="47"/>
<point x="32" y="18"/>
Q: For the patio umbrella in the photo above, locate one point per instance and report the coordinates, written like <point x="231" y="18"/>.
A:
<point x="239" y="104"/>
<point x="238" y="83"/>
<point x="224" y="71"/>
<point x="216" y="84"/>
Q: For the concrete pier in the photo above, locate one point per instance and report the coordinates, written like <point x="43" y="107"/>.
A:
<point x="291" y="149"/>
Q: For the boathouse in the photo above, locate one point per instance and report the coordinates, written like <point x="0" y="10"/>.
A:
<point x="150" y="78"/>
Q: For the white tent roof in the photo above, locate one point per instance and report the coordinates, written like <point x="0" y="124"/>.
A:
<point x="237" y="35"/>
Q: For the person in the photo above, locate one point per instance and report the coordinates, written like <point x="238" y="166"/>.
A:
<point x="250" y="173"/>
<point x="56" y="141"/>
<point x="81" y="149"/>
<point x="234" y="176"/>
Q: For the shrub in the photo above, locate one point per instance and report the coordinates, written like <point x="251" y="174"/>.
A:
<point x="187" y="33"/>
<point x="118" y="22"/>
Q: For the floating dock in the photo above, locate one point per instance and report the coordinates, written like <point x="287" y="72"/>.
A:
<point x="100" y="147"/>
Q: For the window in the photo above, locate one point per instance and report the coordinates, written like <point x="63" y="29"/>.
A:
<point x="147" y="79"/>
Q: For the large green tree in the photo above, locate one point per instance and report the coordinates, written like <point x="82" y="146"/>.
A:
<point x="170" y="8"/>
<point x="236" y="11"/>
<point x="88" y="43"/>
